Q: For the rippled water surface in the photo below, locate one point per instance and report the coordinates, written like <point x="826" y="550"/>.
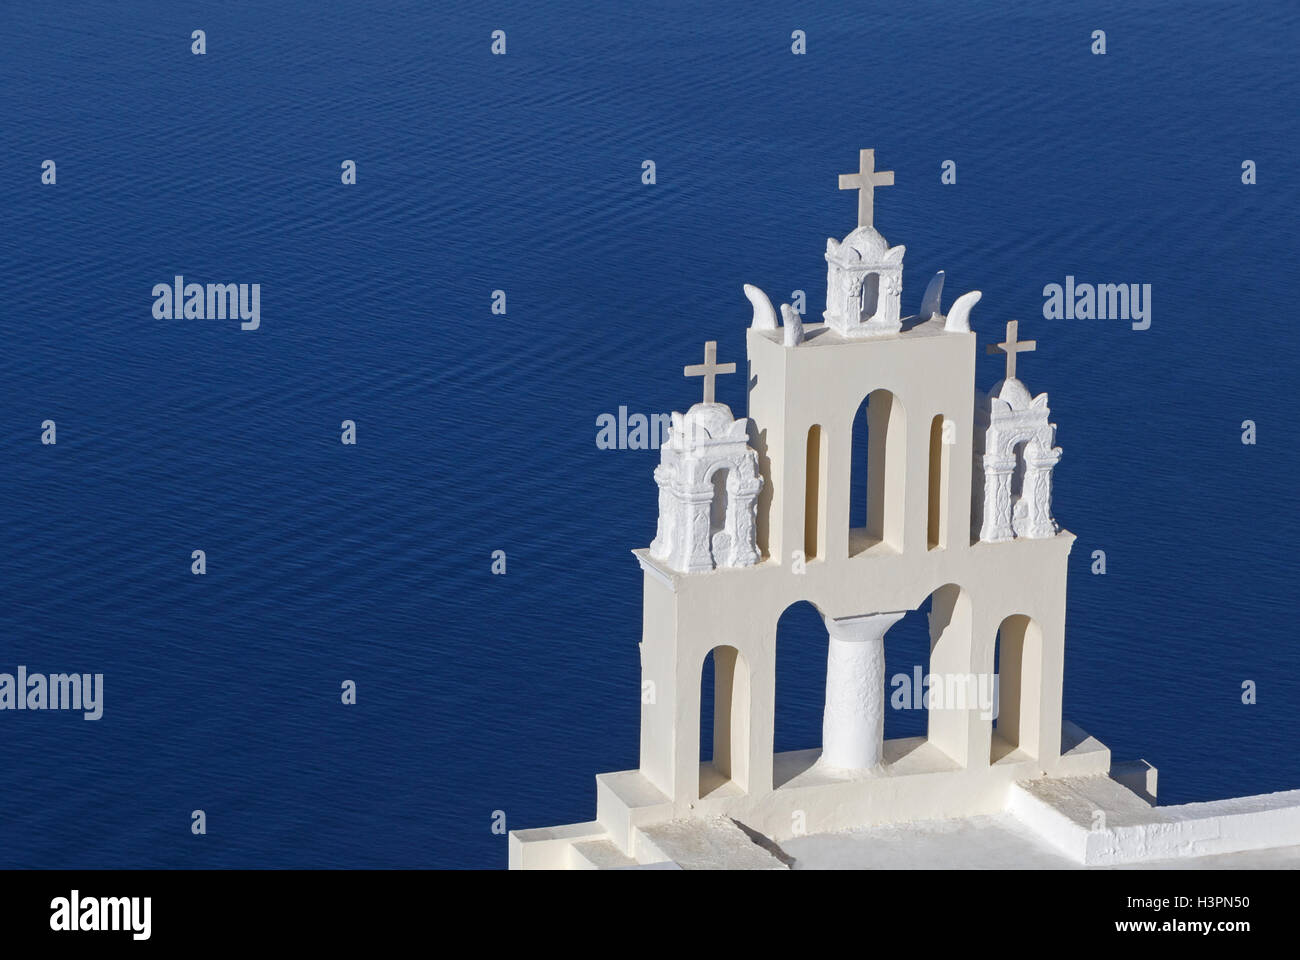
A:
<point x="476" y="432"/>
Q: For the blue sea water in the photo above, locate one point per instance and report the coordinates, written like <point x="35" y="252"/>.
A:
<point x="480" y="693"/>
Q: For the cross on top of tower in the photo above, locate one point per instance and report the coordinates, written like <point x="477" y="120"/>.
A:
<point x="1011" y="346"/>
<point x="709" y="369"/>
<point x="865" y="182"/>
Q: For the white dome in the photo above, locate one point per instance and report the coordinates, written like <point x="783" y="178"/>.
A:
<point x="715" y="419"/>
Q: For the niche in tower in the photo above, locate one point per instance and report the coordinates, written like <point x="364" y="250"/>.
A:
<point x="878" y="474"/>
<point x="869" y="297"/>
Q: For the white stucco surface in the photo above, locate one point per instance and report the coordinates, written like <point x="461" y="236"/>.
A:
<point x="995" y="842"/>
<point x="713" y="844"/>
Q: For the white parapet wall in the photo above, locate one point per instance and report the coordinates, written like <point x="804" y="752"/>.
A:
<point x="916" y="781"/>
<point x="1099" y="822"/>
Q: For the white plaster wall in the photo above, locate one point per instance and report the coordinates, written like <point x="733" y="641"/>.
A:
<point x="658" y="652"/>
<point x="742" y="608"/>
<point x="823" y="381"/>
<point x="1111" y="832"/>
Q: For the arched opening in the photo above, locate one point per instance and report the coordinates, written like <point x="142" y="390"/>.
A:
<point x="1017" y="664"/>
<point x="800" y="690"/>
<point x="951" y="627"/>
<point x="718" y="517"/>
<point x="907" y="667"/>
<point x="1018" y="478"/>
<point x="940" y="444"/>
<point x="814" y="510"/>
<point x="926" y="652"/>
<point x="878" y="472"/>
<point x="724" y="723"/>
<point x="869" y="299"/>
<point x="932" y="690"/>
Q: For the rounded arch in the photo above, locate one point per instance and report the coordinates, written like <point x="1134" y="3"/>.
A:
<point x="878" y="473"/>
<point x="932" y="644"/>
<point x="942" y="438"/>
<point x="800" y="683"/>
<point x="815" y="492"/>
<point x="867" y="294"/>
<point x="742" y="469"/>
<point x="724" y="721"/>
<point x="1018" y="669"/>
<point x="932" y="689"/>
<point x="950" y="618"/>
<point x="724" y="484"/>
<point x="719" y="478"/>
<point x="1008" y="440"/>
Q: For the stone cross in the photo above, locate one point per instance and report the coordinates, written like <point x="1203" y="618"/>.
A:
<point x="1011" y="346"/>
<point x="865" y="182"/>
<point x="709" y="369"/>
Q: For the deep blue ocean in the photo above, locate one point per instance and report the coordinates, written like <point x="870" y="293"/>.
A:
<point x="476" y="432"/>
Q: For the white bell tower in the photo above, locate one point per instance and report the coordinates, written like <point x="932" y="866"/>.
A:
<point x="864" y="274"/>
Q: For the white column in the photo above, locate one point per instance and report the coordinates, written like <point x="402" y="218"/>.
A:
<point x="697" y="550"/>
<point x="997" y="499"/>
<point x="1038" y="493"/>
<point x="853" y="726"/>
